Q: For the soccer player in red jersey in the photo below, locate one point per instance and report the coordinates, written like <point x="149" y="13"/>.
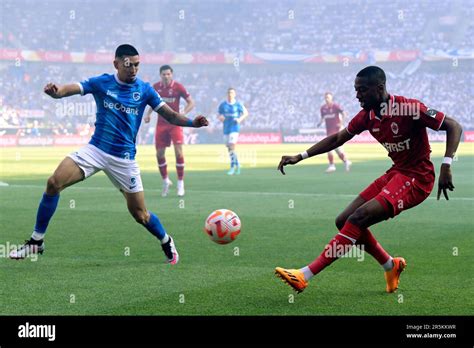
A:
<point x="399" y="124"/>
<point x="171" y="91"/>
<point x="333" y="115"/>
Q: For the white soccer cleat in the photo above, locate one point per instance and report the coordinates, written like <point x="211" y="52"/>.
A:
<point x="172" y="256"/>
<point x="180" y="188"/>
<point x="348" y="165"/>
<point x="331" y="168"/>
<point x="166" y="187"/>
<point x="29" y="248"/>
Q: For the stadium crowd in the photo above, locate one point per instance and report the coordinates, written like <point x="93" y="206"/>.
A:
<point x="259" y="26"/>
<point x="276" y="98"/>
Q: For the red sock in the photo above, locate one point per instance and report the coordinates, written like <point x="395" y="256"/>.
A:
<point x="331" y="157"/>
<point x="370" y="244"/>
<point x="180" y="167"/>
<point x="336" y="247"/>
<point x="163" y="168"/>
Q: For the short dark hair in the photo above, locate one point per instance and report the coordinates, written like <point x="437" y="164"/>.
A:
<point x="165" y="67"/>
<point x="328" y="93"/>
<point x="125" y="50"/>
<point x="230" y="89"/>
<point x="374" y="75"/>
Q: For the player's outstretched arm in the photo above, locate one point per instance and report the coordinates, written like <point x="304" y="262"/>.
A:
<point x="178" y="119"/>
<point x="57" y="92"/>
<point x="327" y="144"/>
<point x="453" y="137"/>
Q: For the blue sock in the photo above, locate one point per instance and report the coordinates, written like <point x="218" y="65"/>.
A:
<point x="236" y="160"/>
<point x="155" y="227"/>
<point x="46" y="209"/>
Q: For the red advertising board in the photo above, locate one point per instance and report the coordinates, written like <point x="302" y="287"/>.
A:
<point x="8" y="140"/>
<point x="469" y="136"/>
<point x="260" y="138"/>
<point x="70" y="140"/>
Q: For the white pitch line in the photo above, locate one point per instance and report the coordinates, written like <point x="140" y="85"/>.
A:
<point x="325" y="195"/>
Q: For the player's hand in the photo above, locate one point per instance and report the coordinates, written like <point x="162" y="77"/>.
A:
<point x="52" y="90"/>
<point x="147" y="119"/>
<point x="445" y="181"/>
<point x="238" y="120"/>
<point x="285" y="160"/>
<point x="200" y="121"/>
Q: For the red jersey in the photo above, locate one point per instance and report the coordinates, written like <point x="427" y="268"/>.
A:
<point x="332" y="114"/>
<point x="171" y="94"/>
<point x="402" y="131"/>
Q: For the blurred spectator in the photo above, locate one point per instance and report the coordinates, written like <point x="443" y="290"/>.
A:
<point x="305" y="26"/>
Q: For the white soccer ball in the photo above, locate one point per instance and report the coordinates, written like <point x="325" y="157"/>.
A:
<point x="222" y="226"/>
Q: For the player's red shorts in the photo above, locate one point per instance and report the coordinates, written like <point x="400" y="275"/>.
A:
<point x="397" y="192"/>
<point x="165" y="133"/>
<point x="333" y="130"/>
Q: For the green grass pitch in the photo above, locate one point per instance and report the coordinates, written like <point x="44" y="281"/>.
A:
<point x="286" y="221"/>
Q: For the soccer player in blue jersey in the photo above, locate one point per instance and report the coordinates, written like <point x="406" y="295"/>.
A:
<point x="121" y="99"/>
<point x="232" y="113"/>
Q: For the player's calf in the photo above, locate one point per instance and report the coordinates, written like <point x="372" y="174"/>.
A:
<point x="153" y="224"/>
<point x="140" y="216"/>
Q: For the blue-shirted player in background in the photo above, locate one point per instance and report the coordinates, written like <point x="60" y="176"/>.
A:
<point x="232" y="113"/>
<point x="121" y="99"/>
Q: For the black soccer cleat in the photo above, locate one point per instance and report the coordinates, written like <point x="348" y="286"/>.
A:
<point x="31" y="247"/>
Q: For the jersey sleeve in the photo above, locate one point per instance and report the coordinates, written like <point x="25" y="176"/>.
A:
<point x="220" y="110"/>
<point x="358" y="124"/>
<point x="183" y="92"/>
<point x="154" y="99"/>
<point x="90" y="85"/>
<point x="241" y="109"/>
<point x="339" y="108"/>
<point x="430" y="118"/>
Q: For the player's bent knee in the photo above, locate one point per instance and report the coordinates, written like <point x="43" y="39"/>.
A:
<point x="340" y="221"/>
<point x="359" y="216"/>
<point x="140" y="216"/>
<point x="53" y="186"/>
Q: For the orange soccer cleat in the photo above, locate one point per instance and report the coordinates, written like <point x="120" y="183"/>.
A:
<point x="392" y="277"/>
<point x="292" y="277"/>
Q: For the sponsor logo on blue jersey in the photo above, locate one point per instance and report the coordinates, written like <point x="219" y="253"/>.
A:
<point x="120" y="108"/>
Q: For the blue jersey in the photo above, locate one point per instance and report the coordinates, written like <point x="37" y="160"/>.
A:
<point x="120" y="108"/>
<point x="231" y="112"/>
